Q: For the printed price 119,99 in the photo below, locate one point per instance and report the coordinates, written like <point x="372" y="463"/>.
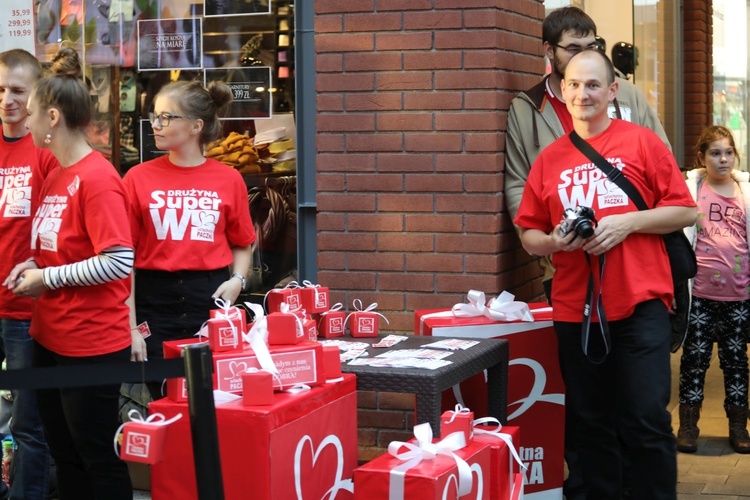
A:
<point x="19" y="32"/>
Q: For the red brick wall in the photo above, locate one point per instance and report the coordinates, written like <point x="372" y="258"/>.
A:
<point x="412" y="102"/>
<point x="697" y="35"/>
<point x="412" y="105"/>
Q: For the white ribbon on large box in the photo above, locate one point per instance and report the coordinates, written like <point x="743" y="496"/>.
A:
<point x="425" y="449"/>
<point x="500" y="308"/>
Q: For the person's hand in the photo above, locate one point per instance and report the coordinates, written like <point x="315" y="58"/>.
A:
<point x="138" y="347"/>
<point x="30" y="284"/>
<point x="566" y="242"/>
<point x="610" y="232"/>
<point x="229" y="290"/>
<point x="12" y="279"/>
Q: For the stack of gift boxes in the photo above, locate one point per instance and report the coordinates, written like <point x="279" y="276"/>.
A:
<point x="292" y="432"/>
<point x="472" y="460"/>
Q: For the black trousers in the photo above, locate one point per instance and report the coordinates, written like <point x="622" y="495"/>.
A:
<point x="80" y="424"/>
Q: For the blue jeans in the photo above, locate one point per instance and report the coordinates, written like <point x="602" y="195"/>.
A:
<point x="32" y="461"/>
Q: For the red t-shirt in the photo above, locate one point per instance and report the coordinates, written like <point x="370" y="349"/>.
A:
<point x="83" y="210"/>
<point x="23" y="168"/>
<point x="187" y="218"/>
<point x="562" y="177"/>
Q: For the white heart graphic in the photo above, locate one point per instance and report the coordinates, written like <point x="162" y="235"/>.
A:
<point x="339" y="482"/>
<point x="451" y="479"/>
<point x="480" y="479"/>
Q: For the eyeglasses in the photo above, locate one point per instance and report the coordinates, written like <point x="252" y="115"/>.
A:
<point x="575" y="49"/>
<point x="164" y="119"/>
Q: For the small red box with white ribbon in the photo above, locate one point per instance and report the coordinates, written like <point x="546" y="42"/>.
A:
<point x="291" y="295"/>
<point x="459" y="419"/>
<point x="331" y="322"/>
<point x="286" y="327"/>
<point x="364" y="322"/>
<point x="315" y="298"/>
<point x="257" y="387"/>
<point x="143" y="440"/>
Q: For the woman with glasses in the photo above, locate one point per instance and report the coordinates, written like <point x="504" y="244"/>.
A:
<point x="79" y="273"/>
<point x="190" y="221"/>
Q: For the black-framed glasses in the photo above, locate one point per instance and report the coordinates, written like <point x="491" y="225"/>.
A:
<point x="164" y="119"/>
<point x="575" y="48"/>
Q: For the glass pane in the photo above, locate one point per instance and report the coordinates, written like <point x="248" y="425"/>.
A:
<point x="731" y="70"/>
<point x="131" y="48"/>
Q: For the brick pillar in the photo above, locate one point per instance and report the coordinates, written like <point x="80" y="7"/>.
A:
<point x="698" y="71"/>
<point x="412" y="108"/>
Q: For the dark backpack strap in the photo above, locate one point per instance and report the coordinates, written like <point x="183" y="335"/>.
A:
<point x="612" y="173"/>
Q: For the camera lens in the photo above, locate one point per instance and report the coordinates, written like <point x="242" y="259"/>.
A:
<point x="585" y="229"/>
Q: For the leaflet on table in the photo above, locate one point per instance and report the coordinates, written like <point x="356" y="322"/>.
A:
<point x="390" y="340"/>
<point x="452" y="344"/>
<point x="351" y="354"/>
<point x="415" y="353"/>
<point x="345" y="345"/>
<point x="428" y="364"/>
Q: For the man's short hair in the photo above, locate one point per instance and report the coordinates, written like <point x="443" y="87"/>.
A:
<point x="566" y="19"/>
<point x="607" y="63"/>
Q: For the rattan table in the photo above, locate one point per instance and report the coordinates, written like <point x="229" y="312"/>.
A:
<point x="428" y="385"/>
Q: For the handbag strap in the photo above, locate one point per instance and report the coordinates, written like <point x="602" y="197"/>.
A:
<point x="615" y="175"/>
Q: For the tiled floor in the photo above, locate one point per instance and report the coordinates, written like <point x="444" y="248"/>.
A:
<point x="715" y="471"/>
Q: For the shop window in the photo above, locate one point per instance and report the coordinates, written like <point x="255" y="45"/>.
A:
<point x="730" y="50"/>
<point x="131" y="48"/>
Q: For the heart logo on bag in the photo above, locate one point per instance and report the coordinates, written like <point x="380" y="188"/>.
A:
<point x="339" y="482"/>
<point x="236" y="368"/>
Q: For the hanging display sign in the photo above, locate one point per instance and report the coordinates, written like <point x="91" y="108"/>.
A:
<point x="170" y="44"/>
<point x="17" y="25"/>
<point x="251" y="91"/>
<point x="225" y="8"/>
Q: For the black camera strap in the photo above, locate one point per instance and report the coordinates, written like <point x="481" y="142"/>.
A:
<point x="595" y="354"/>
<point x="615" y="175"/>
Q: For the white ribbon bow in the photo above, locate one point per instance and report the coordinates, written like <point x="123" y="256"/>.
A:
<point x="501" y="308"/>
<point x="309" y="284"/>
<point x="425" y="449"/>
<point x="497" y="434"/>
<point x="357" y="304"/>
<point x="335" y="307"/>
<point x="458" y="409"/>
<point x="257" y="337"/>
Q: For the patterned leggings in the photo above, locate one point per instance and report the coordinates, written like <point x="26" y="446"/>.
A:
<point x="727" y="323"/>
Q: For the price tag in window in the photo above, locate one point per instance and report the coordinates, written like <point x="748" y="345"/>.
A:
<point x="17" y="25"/>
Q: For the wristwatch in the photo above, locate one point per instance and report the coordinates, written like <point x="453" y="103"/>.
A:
<point x="239" y="277"/>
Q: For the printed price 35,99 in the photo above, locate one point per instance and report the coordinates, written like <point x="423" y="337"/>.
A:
<point x="20" y="12"/>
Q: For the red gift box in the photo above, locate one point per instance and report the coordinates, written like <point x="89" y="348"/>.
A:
<point x="536" y="396"/>
<point x="291" y="296"/>
<point x="302" y="446"/>
<point x="285" y="328"/>
<point x="478" y="318"/>
<point x="257" y="388"/>
<point x="177" y="389"/>
<point x="364" y="323"/>
<point x="296" y="364"/>
<point x="331" y="323"/>
<point x="224" y="334"/>
<point x="416" y="474"/>
<point x="315" y="298"/>
<point x="310" y="329"/>
<point x="143" y="440"/>
<point x="459" y="419"/>
<point x="331" y="362"/>
<point x="505" y="462"/>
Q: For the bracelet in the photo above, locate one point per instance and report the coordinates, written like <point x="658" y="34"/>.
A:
<point x="239" y="277"/>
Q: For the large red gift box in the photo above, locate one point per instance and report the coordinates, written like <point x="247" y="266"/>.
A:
<point x="302" y="446"/>
<point x="536" y="397"/>
<point x="504" y="467"/>
<point x="387" y="477"/>
<point x="297" y="364"/>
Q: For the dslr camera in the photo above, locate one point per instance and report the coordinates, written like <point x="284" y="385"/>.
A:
<point x="580" y="219"/>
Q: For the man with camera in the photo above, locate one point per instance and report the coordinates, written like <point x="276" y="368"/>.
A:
<point x="617" y="390"/>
